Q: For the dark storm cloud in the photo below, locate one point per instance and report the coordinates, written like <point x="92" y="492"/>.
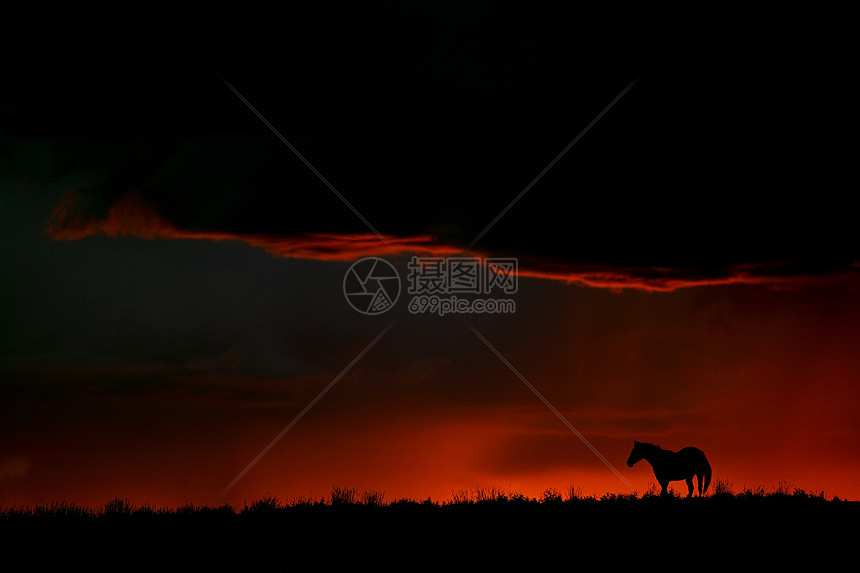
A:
<point x="163" y="308"/>
<point x="718" y="166"/>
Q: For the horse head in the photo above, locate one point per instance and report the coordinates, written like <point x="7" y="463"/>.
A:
<point x="635" y="454"/>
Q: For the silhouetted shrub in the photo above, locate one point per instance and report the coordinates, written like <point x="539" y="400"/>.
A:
<point x="267" y="504"/>
<point x="305" y="502"/>
<point x="652" y="492"/>
<point x="343" y="496"/>
<point x="372" y="498"/>
<point x="551" y="495"/>
<point x="573" y="493"/>
<point x="490" y="495"/>
<point x="757" y="493"/>
<point x="117" y="506"/>
<point x="721" y="488"/>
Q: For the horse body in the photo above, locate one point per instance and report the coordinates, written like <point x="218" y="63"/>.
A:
<point x="668" y="466"/>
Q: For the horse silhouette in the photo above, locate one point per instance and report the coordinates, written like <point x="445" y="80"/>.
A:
<point x="673" y="466"/>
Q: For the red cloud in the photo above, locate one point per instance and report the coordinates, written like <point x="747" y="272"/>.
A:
<point x="655" y="279"/>
<point x="132" y="216"/>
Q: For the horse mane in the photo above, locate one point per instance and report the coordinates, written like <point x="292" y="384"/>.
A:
<point x="649" y="445"/>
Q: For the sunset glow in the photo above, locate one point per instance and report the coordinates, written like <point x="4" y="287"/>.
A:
<point x="636" y="217"/>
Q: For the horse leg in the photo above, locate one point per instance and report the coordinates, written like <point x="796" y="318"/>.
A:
<point x="699" y="477"/>
<point x="664" y="488"/>
<point x="690" y="486"/>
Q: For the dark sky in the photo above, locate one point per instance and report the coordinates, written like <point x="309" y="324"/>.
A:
<point x="722" y="168"/>
<point x="733" y="114"/>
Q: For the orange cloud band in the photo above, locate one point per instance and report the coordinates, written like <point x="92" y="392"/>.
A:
<point x="655" y="279"/>
<point x="131" y="216"/>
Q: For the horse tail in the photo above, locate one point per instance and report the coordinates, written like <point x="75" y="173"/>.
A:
<point x="707" y="473"/>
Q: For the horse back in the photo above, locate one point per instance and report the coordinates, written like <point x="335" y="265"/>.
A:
<point x="694" y="455"/>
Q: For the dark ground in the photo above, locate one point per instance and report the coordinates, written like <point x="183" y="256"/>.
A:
<point x="403" y="536"/>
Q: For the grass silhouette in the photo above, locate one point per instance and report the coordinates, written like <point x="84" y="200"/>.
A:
<point x="477" y="528"/>
<point x="345" y="497"/>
